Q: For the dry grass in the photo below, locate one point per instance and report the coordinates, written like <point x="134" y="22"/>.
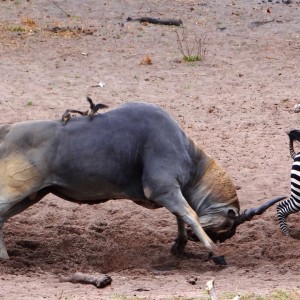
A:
<point x="275" y="295"/>
<point x="10" y="33"/>
<point x="28" y="22"/>
<point x="192" y="48"/>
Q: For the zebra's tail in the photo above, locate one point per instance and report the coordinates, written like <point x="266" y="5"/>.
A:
<point x="294" y="134"/>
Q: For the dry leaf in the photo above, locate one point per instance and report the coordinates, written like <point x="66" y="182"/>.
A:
<point x="146" y="60"/>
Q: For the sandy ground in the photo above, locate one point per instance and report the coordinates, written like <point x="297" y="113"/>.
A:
<point x="237" y="104"/>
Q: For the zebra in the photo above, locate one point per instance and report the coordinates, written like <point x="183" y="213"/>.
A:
<point x="291" y="205"/>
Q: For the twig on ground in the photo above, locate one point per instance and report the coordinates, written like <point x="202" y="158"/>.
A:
<point x="260" y="23"/>
<point x="68" y="15"/>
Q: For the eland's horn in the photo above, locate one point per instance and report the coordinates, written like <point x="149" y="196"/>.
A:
<point x="248" y="214"/>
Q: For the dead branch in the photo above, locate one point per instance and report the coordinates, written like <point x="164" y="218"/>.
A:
<point x="99" y="281"/>
<point x="173" y="22"/>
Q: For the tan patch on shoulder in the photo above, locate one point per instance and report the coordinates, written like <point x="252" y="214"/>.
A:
<point x="222" y="184"/>
<point x="17" y="176"/>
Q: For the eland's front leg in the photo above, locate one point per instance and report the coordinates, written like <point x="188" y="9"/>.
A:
<point x="172" y="199"/>
<point x="181" y="240"/>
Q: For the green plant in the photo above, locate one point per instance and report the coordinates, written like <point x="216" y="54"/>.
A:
<point x="253" y="297"/>
<point x="17" y="29"/>
<point x="192" y="49"/>
<point x="191" y="58"/>
<point x="77" y="18"/>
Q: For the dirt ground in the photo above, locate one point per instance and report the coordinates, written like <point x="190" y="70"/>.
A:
<point x="237" y="104"/>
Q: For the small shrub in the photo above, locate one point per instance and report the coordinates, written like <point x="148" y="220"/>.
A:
<point x="192" y="49"/>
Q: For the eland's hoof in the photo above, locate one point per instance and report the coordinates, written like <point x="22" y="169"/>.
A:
<point x="3" y="254"/>
<point x="178" y="247"/>
<point x="219" y="260"/>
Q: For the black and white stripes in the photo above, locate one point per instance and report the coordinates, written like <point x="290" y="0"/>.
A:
<point x="292" y="205"/>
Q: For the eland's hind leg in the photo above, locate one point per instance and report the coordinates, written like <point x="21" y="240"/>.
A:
<point x="3" y="251"/>
<point x="7" y="210"/>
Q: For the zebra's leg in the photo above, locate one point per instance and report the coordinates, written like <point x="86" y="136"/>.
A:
<point x="292" y="205"/>
<point x="284" y="209"/>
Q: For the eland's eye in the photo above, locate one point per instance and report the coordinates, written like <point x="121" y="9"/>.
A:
<point x="227" y="225"/>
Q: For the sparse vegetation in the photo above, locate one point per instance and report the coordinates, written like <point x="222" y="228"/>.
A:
<point x="29" y="25"/>
<point x="275" y="295"/>
<point x="123" y="297"/>
<point x="285" y="295"/>
<point x="26" y="25"/>
<point x="17" y="28"/>
<point x="77" y="18"/>
<point x="192" y="49"/>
